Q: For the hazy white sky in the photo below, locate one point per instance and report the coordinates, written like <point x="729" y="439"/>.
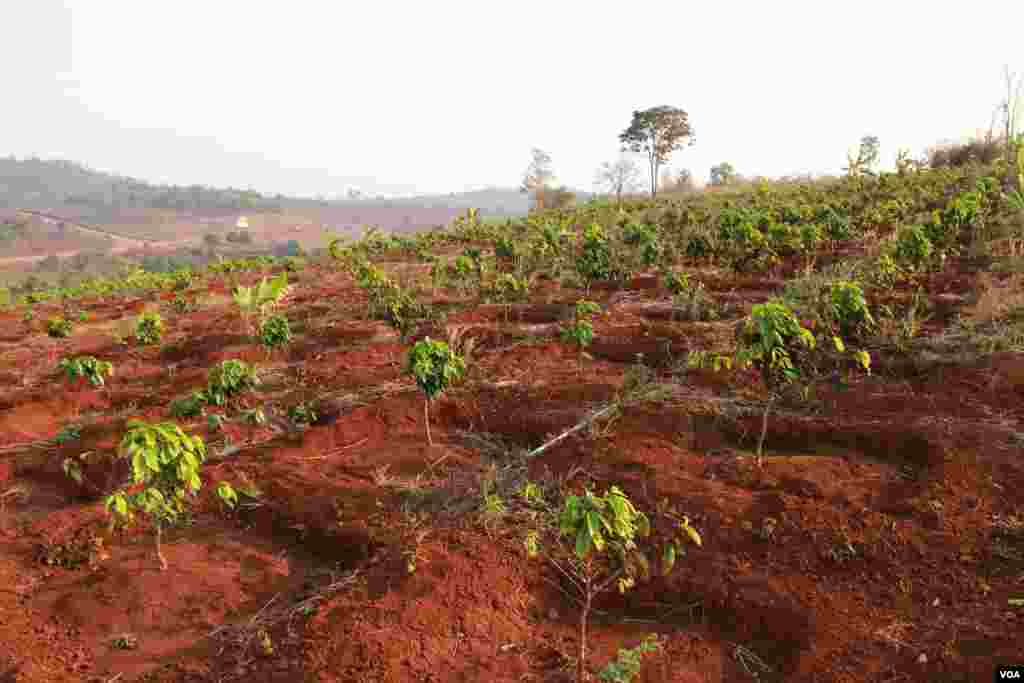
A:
<point x="309" y="97"/>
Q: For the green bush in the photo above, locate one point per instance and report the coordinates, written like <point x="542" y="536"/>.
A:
<point x="913" y="246"/>
<point x="149" y="328"/>
<point x="229" y="379"/>
<point x="275" y="332"/>
<point x="87" y="366"/>
<point x="58" y="328"/>
<point x="848" y="310"/>
<point x="189" y="406"/>
<point x="595" y="259"/>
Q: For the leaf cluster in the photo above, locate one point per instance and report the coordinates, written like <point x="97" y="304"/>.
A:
<point x="58" y="327"/>
<point x="581" y="331"/>
<point x="229" y="379"/>
<point x="149" y="328"/>
<point x="258" y="299"/>
<point x="275" y="332"/>
<point x="91" y="368"/>
<point x="434" y="366"/>
<point x="165" y="463"/>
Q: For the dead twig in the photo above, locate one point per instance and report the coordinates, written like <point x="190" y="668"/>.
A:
<point x="336" y="451"/>
<point x="572" y="430"/>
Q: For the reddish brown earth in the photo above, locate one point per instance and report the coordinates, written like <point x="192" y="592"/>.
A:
<point x="881" y="541"/>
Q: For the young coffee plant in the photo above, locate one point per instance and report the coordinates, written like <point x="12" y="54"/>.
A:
<point x="885" y="272"/>
<point x="188" y="406"/>
<point x="786" y="354"/>
<point x="303" y="414"/>
<point x="595" y="258"/>
<point x="847" y="311"/>
<point x="149" y="329"/>
<point x="811" y="237"/>
<point x="913" y="247"/>
<point x="675" y="282"/>
<point x="1015" y="197"/>
<point x="478" y="266"/>
<point x="593" y="542"/>
<point x="165" y="464"/>
<point x="690" y="296"/>
<point x="505" y="248"/>
<point x="581" y="331"/>
<point x="253" y="416"/>
<point x="183" y="304"/>
<point x="58" y="328"/>
<point x="773" y="341"/>
<point x="508" y="288"/>
<point x="275" y="332"/>
<point x="435" y="367"/>
<point x="88" y="367"/>
<point x="645" y="239"/>
<point x="229" y="379"/>
<point x="837" y="225"/>
<point x="403" y="311"/>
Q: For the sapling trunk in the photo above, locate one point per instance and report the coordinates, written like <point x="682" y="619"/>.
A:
<point x="764" y="432"/>
<point x="159" y="547"/>
<point x="589" y="591"/>
<point x="426" y="420"/>
<point x="588" y="598"/>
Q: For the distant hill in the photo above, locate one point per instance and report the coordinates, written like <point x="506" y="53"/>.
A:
<point x="75" y="189"/>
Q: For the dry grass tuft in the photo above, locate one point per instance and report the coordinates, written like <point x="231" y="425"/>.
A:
<point x="996" y="300"/>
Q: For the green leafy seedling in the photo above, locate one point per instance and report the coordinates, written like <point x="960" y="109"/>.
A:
<point x="581" y="331"/>
<point x="89" y="367"/>
<point x="596" y="544"/>
<point x="165" y="465"/>
<point x="229" y="379"/>
<point x="275" y="332"/>
<point x="58" y="328"/>
<point x="149" y="328"/>
<point x="435" y="367"/>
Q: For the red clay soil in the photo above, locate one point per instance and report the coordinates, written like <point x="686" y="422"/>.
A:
<point x="881" y="540"/>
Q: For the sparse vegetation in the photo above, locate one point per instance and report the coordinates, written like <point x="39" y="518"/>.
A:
<point x="863" y="330"/>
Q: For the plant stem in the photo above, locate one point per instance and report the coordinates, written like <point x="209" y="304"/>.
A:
<point x="159" y="548"/>
<point x="426" y="420"/>
<point x="588" y="597"/>
<point x="764" y="432"/>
